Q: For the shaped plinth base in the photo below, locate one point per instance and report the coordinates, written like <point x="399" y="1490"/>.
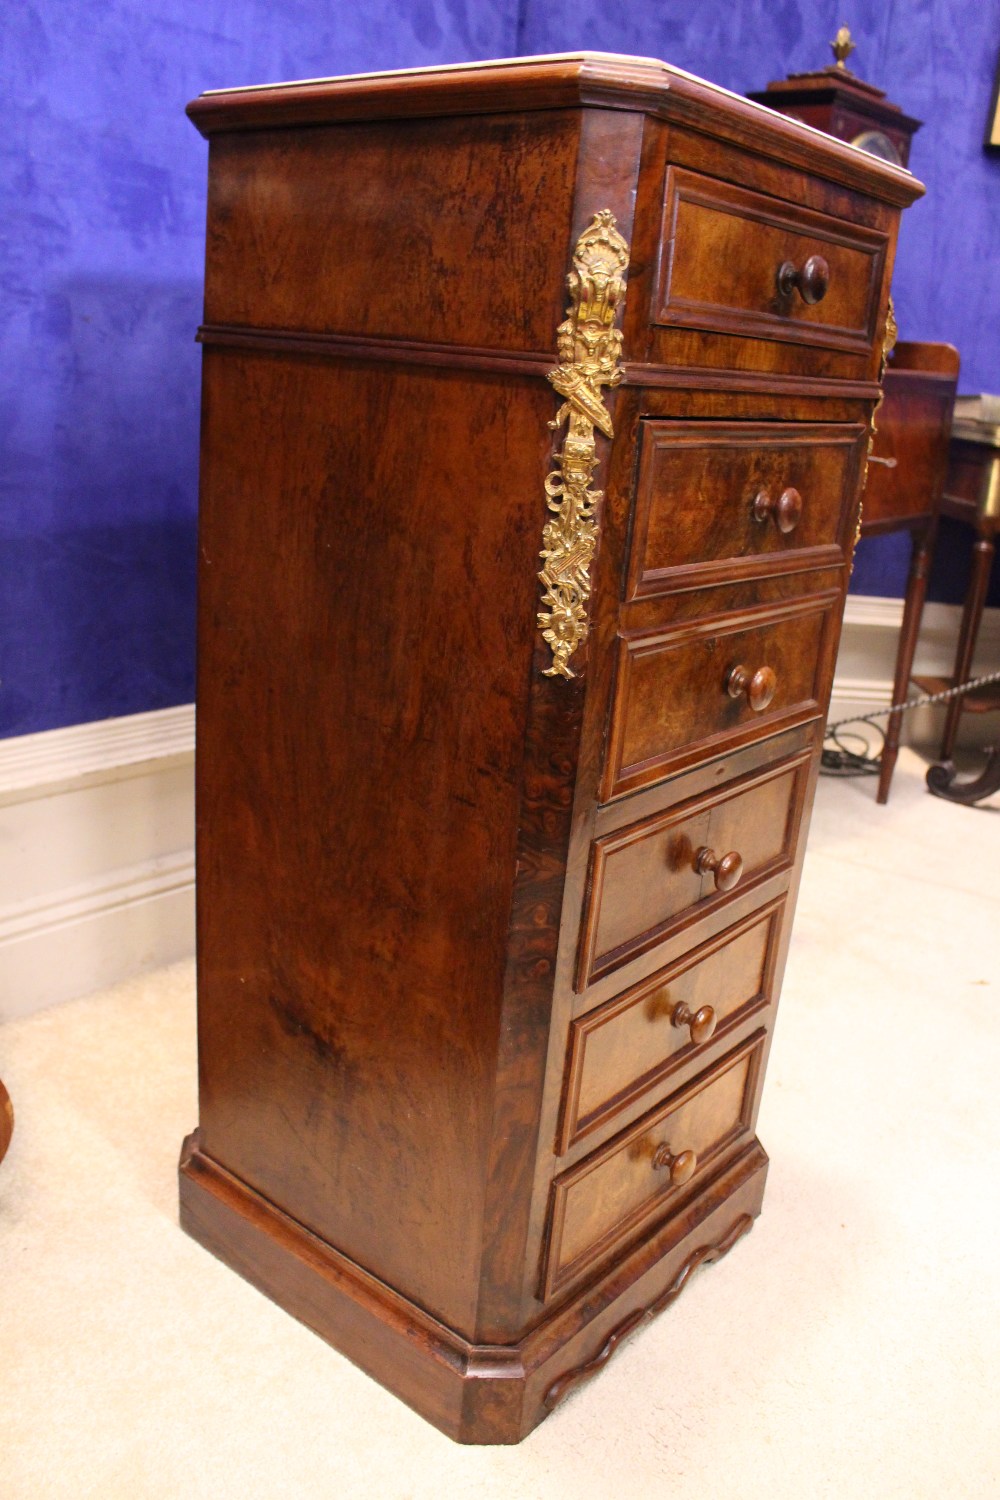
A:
<point x="474" y="1393"/>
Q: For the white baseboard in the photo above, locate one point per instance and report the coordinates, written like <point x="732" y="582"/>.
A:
<point x="866" y="666"/>
<point x="96" y="855"/>
<point x="97" y="820"/>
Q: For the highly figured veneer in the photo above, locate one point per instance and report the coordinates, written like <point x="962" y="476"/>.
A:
<point x="536" y="405"/>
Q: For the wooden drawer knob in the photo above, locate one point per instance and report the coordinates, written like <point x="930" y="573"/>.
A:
<point x="727" y="868"/>
<point x="682" y="1167"/>
<point x="785" y="512"/>
<point x="811" y="282"/>
<point x="700" y="1022"/>
<point x="758" y="688"/>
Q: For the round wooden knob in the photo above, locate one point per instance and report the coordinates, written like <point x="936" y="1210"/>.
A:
<point x="682" y="1167"/>
<point x="727" y="868"/>
<point x="700" y="1022"/>
<point x="811" y="282"/>
<point x="785" y="512"/>
<point x="758" y="688"/>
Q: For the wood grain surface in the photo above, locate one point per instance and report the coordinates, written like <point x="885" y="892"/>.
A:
<point x="489" y="960"/>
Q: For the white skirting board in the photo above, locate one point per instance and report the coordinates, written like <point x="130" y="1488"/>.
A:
<point x="97" y="820"/>
<point x="866" y="666"/>
<point x="96" y="855"/>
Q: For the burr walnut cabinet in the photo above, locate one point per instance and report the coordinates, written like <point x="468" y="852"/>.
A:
<point x="536" y="404"/>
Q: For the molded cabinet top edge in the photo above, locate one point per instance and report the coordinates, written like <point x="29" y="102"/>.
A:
<point x="601" y="79"/>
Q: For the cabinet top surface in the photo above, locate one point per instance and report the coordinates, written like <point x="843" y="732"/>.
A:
<point x="600" y="79"/>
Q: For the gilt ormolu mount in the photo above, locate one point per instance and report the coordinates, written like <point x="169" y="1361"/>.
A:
<point x="589" y="350"/>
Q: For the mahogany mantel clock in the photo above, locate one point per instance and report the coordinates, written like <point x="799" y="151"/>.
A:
<point x="837" y="102"/>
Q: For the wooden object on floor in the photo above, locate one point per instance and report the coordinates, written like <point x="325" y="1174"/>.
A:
<point x="515" y="648"/>
<point x="6" y="1120"/>
<point x="971" y="495"/>
<point x="903" y="491"/>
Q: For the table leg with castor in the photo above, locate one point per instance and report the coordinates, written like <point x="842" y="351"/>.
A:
<point x="916" y="591"/>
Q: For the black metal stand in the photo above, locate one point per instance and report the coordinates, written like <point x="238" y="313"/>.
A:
<point x="942" y="780"/>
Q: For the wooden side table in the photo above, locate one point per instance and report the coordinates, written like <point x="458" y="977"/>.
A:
<point x="903" y="493"/>
<point x="971" y="494"/>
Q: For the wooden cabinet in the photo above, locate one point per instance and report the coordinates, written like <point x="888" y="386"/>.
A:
<point x="536" y="398"/>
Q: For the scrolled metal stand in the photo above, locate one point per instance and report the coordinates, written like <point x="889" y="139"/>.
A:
<point x="942" y="778"/>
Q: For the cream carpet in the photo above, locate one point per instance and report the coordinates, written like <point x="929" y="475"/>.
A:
<point x="848" y="1347"/>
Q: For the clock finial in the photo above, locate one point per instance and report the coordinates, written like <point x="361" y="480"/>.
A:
<point x="842" y="47"/>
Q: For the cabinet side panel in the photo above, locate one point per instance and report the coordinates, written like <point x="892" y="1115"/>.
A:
<point x="367" y="619"/>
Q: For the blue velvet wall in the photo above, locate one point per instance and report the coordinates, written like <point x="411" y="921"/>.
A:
<point x="102" y="209"/>
<point x="101" y="225"/>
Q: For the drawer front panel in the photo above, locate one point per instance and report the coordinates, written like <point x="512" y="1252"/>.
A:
<point x="623" y="1049"/>
<point x="676" y="699"/>
<point x="740" y="499"/>
<point x="651" y="1169"/>
<point x="646" y="880"/>
<point x="723" y="247"/>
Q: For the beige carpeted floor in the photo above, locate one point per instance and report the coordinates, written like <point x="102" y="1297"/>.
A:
<point x="847" y="1348"/>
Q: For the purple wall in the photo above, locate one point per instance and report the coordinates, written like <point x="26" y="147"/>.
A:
<point x="101" y="225"/>
<point x="102" y="195"/>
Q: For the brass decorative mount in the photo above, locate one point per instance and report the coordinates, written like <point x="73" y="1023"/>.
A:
<point x="589" y="347"/>
<point x="842" y="46"/>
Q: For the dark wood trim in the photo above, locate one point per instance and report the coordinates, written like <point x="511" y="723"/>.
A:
<point x="754" y="382"/>
<point x="928" y="383"/>
<point x="521" y="362"/>
<point x="572" y="80"/>
<point x="890" y="524"/>
<point x="394" y="351"/>
<point x="703" y="1256"/>
<point x="722" y="570"/>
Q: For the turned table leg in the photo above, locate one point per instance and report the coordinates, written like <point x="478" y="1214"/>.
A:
<point x="916" y="590"/>
<point x="975" y="599"/>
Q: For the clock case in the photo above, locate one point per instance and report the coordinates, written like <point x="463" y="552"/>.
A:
<point x="835" y="101"/>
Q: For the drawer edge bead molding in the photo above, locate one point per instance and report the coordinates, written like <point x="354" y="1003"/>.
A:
<point x="589" y="347"/>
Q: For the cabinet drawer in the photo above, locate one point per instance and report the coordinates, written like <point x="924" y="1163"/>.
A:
<point x="722" y="251"/>
<point x="696" y="690"/>
<point x="740" y="499"/>
<point x="649" y="1170"/>
<point x="651" y="878"/>
<point x="630" y="1045"/>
